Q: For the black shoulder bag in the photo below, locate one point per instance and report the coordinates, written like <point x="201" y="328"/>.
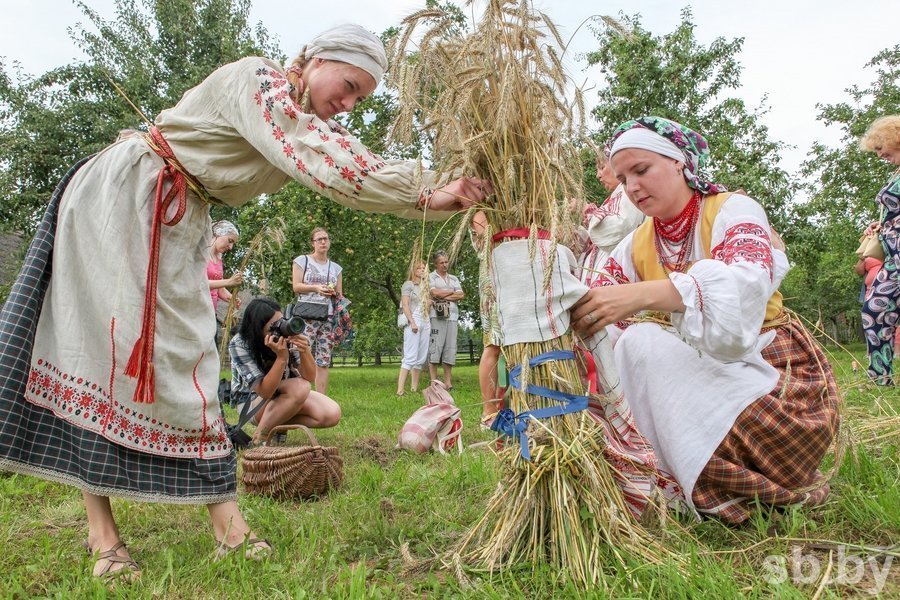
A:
<point x="311" y="310"/>
<point x="236" y="433"/>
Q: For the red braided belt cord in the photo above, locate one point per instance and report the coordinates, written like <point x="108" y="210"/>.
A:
<point x="140" y="364"/>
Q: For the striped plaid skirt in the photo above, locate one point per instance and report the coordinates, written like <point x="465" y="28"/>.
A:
<point x="772" y="453"/>
<point x="35" y="441"/>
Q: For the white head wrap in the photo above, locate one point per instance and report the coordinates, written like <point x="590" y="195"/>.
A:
<point x="351" y="44"/>
<point x="223" y="228"/>
<point x="642" y="138"/>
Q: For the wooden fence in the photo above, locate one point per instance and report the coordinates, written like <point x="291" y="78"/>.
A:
<point x="467" y="349"/>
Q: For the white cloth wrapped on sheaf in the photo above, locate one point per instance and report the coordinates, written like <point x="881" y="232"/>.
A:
<point x="528" y="311"/>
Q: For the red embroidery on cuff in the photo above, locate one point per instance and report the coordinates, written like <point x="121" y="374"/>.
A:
<point x="699" y="292"/>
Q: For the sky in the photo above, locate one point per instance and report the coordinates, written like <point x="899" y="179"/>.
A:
<point x="796" y="53"/>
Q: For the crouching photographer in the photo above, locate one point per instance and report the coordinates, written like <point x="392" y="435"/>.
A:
<point x="272" y="366"/>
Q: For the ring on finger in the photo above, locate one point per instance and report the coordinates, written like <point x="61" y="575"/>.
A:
<point x="590" y="318"/>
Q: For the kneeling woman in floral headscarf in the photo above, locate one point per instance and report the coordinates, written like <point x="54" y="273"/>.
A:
<point x="735" y="395"/>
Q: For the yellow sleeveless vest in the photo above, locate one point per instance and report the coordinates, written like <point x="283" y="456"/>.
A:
<point x="647" y="264"/>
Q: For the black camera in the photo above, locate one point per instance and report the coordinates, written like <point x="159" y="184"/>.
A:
<point x="287" y="325"/>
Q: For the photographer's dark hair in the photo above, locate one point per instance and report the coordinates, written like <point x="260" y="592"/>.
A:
<point x="252" y="329"/>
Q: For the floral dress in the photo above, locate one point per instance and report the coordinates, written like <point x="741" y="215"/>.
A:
<point x="880" y="307"/>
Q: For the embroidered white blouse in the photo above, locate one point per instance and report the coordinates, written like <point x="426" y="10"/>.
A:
<point x="241" y="134"/>
<point x="688" y="383"/>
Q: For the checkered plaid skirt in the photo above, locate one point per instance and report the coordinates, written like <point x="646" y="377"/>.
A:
<point x="776" y="445"/>
<point x="34" y="441"/>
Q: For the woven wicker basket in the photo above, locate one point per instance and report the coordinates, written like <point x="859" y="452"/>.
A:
<point x="291" y="472"/>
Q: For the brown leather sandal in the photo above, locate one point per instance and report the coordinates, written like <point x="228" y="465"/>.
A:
<point x="129" y="571"/>
<point x="253" y="549"/>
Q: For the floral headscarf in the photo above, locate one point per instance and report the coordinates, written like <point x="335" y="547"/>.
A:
<point x="677" y="141"/>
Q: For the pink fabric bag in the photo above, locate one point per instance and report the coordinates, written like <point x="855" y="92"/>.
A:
<point x="436" y="425"/>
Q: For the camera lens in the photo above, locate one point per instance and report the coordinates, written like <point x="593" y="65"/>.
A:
<point x="287" y="327"/>
<point x="295" y="325"/>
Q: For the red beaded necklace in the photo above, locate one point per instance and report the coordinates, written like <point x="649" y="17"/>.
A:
<point x="675" y="239"/>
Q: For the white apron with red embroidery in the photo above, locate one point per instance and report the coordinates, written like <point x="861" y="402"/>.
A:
<point x="240" y="134"/>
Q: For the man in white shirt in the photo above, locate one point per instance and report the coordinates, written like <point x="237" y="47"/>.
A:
<point x="446" y="292"/>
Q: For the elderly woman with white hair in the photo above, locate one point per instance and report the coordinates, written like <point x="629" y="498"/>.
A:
<point x="108" y="369"/>
<point x="736" y="396"/>
<point x="225" y="236"/>
<point x="880" y="312"/>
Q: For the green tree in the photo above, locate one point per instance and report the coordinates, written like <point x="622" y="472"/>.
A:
<point x="154" y="52"/>
<point x="674" y="76"/>
<point x="845" y="180"/>
<point x="843" y="183"/>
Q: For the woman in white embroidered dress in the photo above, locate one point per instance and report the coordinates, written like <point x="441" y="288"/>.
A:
<point x="738" y="400"/>
<point x="123" y="372"/>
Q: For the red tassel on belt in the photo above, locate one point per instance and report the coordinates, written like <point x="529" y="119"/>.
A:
<point x="140" y="364"/>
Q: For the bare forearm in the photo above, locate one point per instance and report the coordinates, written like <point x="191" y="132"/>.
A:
<point x="660" y="296"/>
<point x="444" y="294"/>
<point x="305" y="288"/>
<point x="602" y="306"/>
<point x="307" y="365"/>
<point x="406" y="310"/>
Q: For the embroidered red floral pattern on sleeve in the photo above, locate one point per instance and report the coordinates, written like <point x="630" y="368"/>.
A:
<point x="615" y="274"/>
<point x="352" y="162"/>
<point x="746" y="242"/>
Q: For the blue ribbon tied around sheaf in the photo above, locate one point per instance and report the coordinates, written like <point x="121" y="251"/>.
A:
<point x="514" y="425"/>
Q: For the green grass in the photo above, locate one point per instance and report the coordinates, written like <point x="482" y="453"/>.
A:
<point x="347" y="545"/>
